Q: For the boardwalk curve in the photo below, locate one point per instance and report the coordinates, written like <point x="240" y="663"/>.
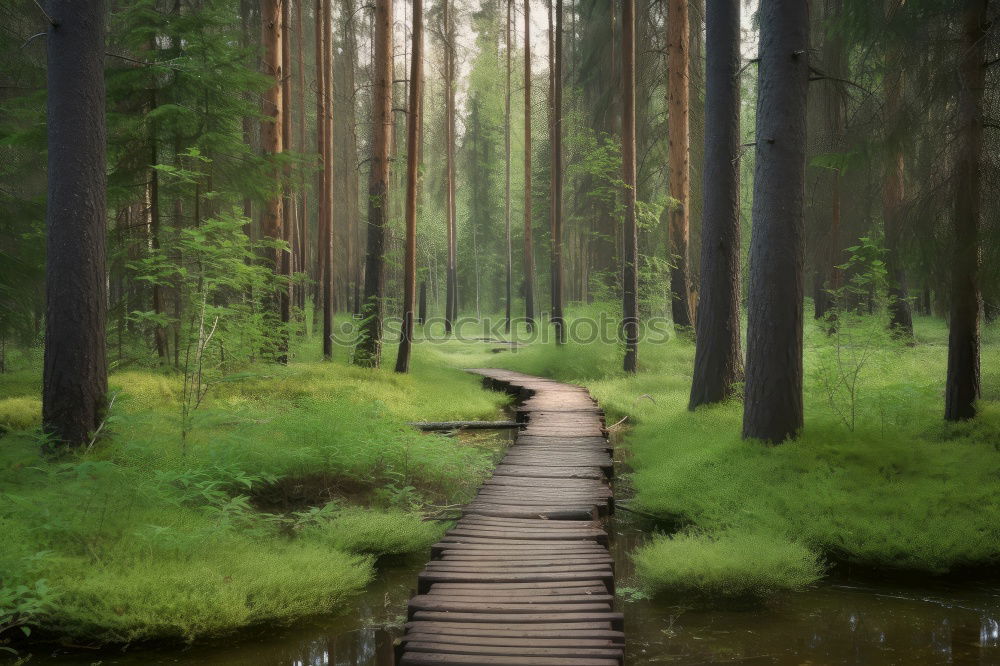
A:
<point x="525" y="577"/>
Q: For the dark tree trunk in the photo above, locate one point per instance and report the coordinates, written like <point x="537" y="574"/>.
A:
<point x="900" y="313"/>
<point x="773" y="403"/>
<point x="413" y="127"/>
<point x="717" y="362"/>
<point x="422" y="314"/>
<point x="678" y="36"/>
<point x="75" y="382"/>
<point x="287" y="204"/>
<point x="325" y="249"/>
<point x="529" y="254"/>
<point x="557" y="182"/>
<point x="630" y="254"/>
<point x="369" y="347"/>
<point x="451" y="295"/>
<point x="506" y="191"/>
<point x="962" y="388"/>
<point x="159" y="332"/>
<point x="301" y="262"/>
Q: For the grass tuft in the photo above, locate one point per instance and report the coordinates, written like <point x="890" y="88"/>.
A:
<point x="733" y="566"/>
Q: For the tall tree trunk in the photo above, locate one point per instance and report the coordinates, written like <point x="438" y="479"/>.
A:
<point x="773" y="403"/>
<point x="159" y="332"/>
<point x="630" y="254"/>
<point x="717" y="362"/>
<point x="678" y="36"/>
<point x="369" y="347"/>
<point x="962" y="389"/>
<point x="326" y="243"/>
<point x="506" y="191"/>
<point x="301" y="262"/>
<point x="413" y="127"/>
<point x="288" y="204"/>
<point x="321" y="9"/>
<point x="75" y="379"/>
<point x="529" y="253"/>
<point x="557" y="182"/>
<point x="451" y="275"/>
<point x="900" y="313"/>
<point x="271" y="138"/>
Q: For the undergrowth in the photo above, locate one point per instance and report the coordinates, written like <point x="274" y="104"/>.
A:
<point x="151" y="535"/>
<point x="876" y="479"/>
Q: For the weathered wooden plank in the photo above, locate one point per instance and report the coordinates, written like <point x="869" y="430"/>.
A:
<point x="426" y="659"/>
<point x="524" y="577"/>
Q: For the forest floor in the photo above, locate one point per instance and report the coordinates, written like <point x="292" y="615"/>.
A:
<point x="877" y="479"/>
<point x="292" y="481"/>
<point x="289" y="484"/>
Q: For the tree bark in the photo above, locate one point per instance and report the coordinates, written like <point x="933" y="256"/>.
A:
<point x="301" y="263"/>
<point x="451" y="277"/>
<point x="75" y="381"/>
<point x="893" y="188"/>
<point x="369" y="348"/>
<point x="506" y="191"/>
<point x="717" y="362"/>
<point x="630" y="255"/>
<point x="529" y="254"/>
<point x="773" y="391"/>
<point x="271" y="140"/>
<point x="557" y="182"/>
<point x="326" y="243"/>
<point x="963" y="387"/>
<point x="413" y="131"/>
<point x="287" y="205"/>
<point x="678" y="36"/>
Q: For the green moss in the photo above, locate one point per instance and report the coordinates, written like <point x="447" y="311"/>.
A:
<point x="20" y="413"/>
<point x="363" y="531"/>
<point x="151" y="535"/>
<point x="730" y="565"/>
<point x="901" y="490"/>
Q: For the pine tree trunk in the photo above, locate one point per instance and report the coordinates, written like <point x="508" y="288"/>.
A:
<point x="630" y="255"/>
<point x="413" y="131"/>
<point x="900" y="313"/>
<point x="963" y="387"/>
<point x="506" y="191"/>
<point x="75" y="381"/>
<point x="529" y="253"/>
<point x="159" y="332"/>
<point x="326" y="242"/>
<point x="678" y="36"/>
<point x="369" y="347"/>
<point x="288" y="204"/>
<point x="301" y="261"/>
<point x="773" y="390"/>
<point x="557" y="182"/>
<point x="717" y="362"/>
<point x="451" y="297"/>
<point x="271" y="139"/>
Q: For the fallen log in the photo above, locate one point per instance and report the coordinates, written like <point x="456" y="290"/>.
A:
<point x="465" y="425"/>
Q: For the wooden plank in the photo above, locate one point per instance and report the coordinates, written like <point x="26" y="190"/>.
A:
<point x="427" y="659"/>
<point x="577" y="629"/>
<point x="510" y="651"/>
<point x="427" y="578"/>
<point x="541" y="641"/>
<point x="522" y="618"/>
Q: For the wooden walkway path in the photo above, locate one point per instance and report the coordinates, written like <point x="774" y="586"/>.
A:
<point x="525" y="577"/>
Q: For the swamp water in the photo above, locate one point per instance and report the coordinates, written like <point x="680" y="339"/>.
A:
<point x="843" y="620"/>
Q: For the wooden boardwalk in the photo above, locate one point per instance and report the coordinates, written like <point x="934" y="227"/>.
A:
<point x="525" y="577"/>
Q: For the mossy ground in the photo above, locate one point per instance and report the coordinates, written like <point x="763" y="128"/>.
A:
<point x="896" y="488"/>
<point x="151" y="535"/>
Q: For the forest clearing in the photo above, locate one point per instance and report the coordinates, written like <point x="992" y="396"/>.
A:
<point x="517" y="332"/>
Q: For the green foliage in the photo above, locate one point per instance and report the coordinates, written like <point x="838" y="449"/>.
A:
<point x="730" y="565"/>
<point x="20" y="413"/>
<point x="900" y="491"/>
<point x="364" y="531"/>
<point x="147" y="535"/>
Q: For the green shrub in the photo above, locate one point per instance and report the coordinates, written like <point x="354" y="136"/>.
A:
<point x="362" y="531"/>
<point x="20" y="413"/>
<point x="730" y="566"/>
